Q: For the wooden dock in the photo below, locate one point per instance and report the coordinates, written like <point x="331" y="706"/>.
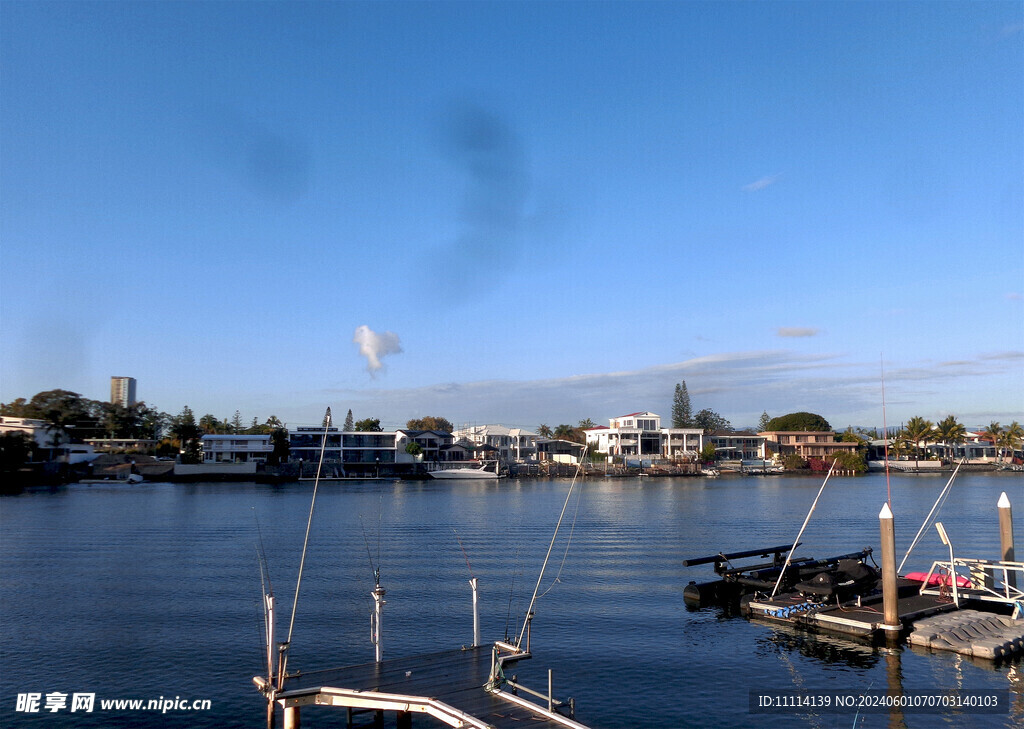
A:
<point x="862" y="618"/>
<point x="449" y="685"/>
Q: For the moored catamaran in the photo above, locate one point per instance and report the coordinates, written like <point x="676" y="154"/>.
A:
<point x="464" y="687"/>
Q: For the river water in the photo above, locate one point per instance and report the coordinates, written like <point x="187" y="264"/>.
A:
<point x="153" y="591"/>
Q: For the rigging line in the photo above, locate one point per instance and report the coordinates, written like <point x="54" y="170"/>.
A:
<point x="464" y="553"/>
<point x="266" y="599"/>
<point x="928" y="519"/>
<point x="369" y="554"/>
<point x="806" y="519"/>
<point x="262" y="627"/>
<point x="885" y="436"/>
<point x="305" y="541"/>
<point x="551" y="546"/>
<point x="568" y="542"/>
<point x="261" y="555"/>
<point x="511" y="592"/>
<point x="263" y="599"/>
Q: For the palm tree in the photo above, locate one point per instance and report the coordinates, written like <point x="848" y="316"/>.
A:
<point x="918" y="431"/>
<point x="896" y="448"/>
<point x="1013" y="437"/>
<point x="995" y="433"/>
<point x="951" y="433"/>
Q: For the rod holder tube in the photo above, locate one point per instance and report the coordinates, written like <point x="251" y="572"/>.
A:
<point x="378" y="609"/>
<point x="291" y="718"/>
<point x="476" y="614"/>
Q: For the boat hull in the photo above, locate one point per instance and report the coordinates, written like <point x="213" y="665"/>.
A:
<point x="465" y="473"/>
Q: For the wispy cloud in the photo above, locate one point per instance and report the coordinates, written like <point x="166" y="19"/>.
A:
<point x="761" y="184"/>
<point x="375" y="346"/>
<point x="1015" y="296"/>
<point x="796" y="332"/>
<point x="739" y="385"/>
<point x="1011" y="29"/>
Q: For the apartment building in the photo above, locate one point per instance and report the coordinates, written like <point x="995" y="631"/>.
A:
<point x="122" y="391"/>
<point x="365" y="447"/>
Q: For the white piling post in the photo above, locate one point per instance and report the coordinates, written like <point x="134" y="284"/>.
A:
<point x="890" y="588"/>
<point x="378" y="607"/>
<point x="1006" y="537"/>
<point x="476" y="614"/>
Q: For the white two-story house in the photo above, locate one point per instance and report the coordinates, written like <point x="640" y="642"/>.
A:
<point x="640" y="434"/>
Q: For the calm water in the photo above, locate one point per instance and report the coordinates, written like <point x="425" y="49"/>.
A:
<point x="153" y="591"/>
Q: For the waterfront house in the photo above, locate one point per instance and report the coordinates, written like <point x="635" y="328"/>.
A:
<point x="738" y="445"/>
<point x="51" y="444"/>
<point x="640" y="434"/>
<point x="559" y="451"/>
<point x="38" y="430"/>
<point x="227" y="448"/>
<point x="806" y="443"/>
<point x="364" y="452"/>
<point x="122" y="445"/>
<point x="366" y="448"/>
<point x="461" y="451"/>
<point x="429" y="441"/>
<point x="513" y="445"/>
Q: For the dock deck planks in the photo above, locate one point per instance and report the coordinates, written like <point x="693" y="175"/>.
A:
<point x="454" y="677"/>
<point x="863" y="620"/>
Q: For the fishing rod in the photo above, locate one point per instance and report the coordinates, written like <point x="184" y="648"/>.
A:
<point x="806" y="519"/>
<point x="283" y="662"/>
<point x="540" y="577"/>
<point x="928" y="519"/>
<point x="267" y="588"/>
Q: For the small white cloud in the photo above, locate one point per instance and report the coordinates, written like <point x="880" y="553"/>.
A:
<point x="796" y="332"/>
<point x="375" y="346"/>
<point x="762" y="183"/>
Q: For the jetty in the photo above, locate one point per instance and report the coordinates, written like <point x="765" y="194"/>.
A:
<point x="468" y="687"/>
<point x="458" y="687"/>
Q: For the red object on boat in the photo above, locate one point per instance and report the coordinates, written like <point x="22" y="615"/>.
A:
<point x="938" y="579"/>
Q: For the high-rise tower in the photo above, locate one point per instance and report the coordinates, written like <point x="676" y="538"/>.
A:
<point x="122" y="391"/>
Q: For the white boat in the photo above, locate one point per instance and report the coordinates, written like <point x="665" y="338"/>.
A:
<point x="480" y="472"/>
<point x="130" y="478"/>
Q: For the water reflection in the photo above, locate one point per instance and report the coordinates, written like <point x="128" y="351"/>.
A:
<point x="827" y="649"/>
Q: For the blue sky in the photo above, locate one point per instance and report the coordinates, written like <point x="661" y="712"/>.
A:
<point x="533" y="212"/>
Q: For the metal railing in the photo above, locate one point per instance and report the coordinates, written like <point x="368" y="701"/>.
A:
<point x="977" y="579"/>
